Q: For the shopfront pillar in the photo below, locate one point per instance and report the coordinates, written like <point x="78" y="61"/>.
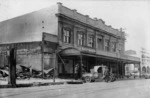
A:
<point x="117" y="68"/>
<point x="80" y="65"/>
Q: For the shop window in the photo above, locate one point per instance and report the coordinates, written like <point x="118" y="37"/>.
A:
<point x="81" y="38"/>
<point x="106" y="45"/>
<point x="66" y="35"/>
<point x="91" y="41"/>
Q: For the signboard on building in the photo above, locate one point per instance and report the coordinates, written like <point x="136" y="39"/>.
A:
<point x="49" y="47"/>
<point x="36" y="50"/>
<point x="88" y="50"/>
<point x="50" y="37"/>
<point x="49" y="43"/>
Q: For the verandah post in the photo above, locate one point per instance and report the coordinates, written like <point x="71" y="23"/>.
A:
<point x="42" y="55"/>
<point x="80" y="65"/>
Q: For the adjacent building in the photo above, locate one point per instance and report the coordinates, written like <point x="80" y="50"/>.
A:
<point x="132" y="68"/>
<point x="59" y="37"/>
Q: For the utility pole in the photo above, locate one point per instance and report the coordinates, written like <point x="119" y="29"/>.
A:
<point x="12" y="67"/>
<point x="42" y="55"/>
<point x="54" y="58"/>
<point x="80" y="65"/>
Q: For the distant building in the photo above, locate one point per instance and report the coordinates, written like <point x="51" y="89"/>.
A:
<point x="145" y="61"/>
<point x="62" y="37"/>
<point x="129" y="68"/>
<point x="130" y="52"/>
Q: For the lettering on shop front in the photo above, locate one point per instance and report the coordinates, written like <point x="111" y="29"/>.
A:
<point x="88" y="50"/>
<point x="29" y="51"/>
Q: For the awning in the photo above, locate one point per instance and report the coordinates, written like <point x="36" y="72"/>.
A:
<point x="125" y="60"/>
<point x="70" y="52"/>
<point x="99" y="56"/>
<point x="75" y="52"/>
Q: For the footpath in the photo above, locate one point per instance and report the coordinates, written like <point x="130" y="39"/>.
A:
<point x="44" y="82"/>
<point x="38" y="82"/>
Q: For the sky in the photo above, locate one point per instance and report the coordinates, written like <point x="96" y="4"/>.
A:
<point x="132" y="16"/>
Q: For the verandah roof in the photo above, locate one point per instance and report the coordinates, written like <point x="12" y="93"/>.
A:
<point x="75" y="52"/>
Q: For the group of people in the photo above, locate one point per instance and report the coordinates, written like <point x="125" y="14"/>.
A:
<point x="108" y="75"/>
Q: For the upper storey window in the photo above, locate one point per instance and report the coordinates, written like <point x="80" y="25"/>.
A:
<point x="106" y="45"/>
<point x="113" y="46"/>
<point x="81" y="38"/>
<point x="66" y="35"/>
<point x="100" y="43"/>
<point x="91" y="41"/>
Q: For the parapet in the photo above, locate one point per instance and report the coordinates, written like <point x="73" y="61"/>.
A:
<point x="98" y="23"/>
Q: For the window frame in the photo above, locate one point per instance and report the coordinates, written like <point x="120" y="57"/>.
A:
<point x="107" y="48"/>
<point x="90" y="41"/>
<point x="101" y="42"/>
<point x="66" y="35"/>
<point x="82" y="40"/>
<point x="113" y="46"/>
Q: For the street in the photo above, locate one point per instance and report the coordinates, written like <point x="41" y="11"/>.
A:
<point x="118" y="89"/>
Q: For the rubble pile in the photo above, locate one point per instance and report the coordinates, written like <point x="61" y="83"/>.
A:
<point x="23" y="72"/>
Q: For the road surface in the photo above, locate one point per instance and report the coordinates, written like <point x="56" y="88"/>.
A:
<point x="117" y="89"/>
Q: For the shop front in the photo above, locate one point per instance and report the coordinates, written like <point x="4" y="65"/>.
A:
<point x="87" y="58"/>
<point x="67" y="59"/>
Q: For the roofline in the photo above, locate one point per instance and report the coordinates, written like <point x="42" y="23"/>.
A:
<point x="98" y="29"/>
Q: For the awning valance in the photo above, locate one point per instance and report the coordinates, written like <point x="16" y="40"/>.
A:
<point x="70" y="52"/>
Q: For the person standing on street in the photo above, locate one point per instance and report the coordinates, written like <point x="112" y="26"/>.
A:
<point x="76" y="71"/>
<point x="106" y="74"/>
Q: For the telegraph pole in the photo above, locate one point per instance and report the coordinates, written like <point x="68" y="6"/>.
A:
<point x="12" y="67"/>
<point x="42" y="55"/>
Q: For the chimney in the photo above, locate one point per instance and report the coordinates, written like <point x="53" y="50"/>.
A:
<point x="59" y="7"/>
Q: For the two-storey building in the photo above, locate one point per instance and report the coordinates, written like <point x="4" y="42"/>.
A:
<point x="61" y="37"/>
<point x="90" y="42"/>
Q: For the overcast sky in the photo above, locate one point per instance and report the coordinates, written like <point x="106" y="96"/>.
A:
<point x="133" y="16"/>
